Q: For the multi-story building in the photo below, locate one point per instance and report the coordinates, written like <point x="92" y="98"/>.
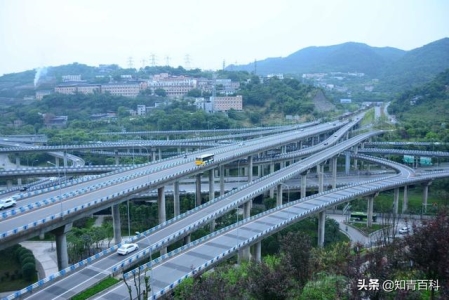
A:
<point x="129" y="89"/>
<point x="175" y="87"/>
<point x="227" y="103"/>
<point x="67" y="78"/>
<point x="40" y="94"/>
<point x="73" y="88"/>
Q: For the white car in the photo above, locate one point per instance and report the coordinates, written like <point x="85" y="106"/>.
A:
<point x="404" y="230"/>
<point x="127" y="248"/>
<point x="7" y="202"/>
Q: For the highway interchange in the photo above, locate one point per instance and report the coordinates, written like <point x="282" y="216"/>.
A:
<point x="169" y="271"/>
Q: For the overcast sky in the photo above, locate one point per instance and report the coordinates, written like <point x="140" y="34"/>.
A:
<point x="38" y="33"/>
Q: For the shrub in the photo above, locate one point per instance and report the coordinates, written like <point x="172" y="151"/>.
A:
<point x="29" y="271"/>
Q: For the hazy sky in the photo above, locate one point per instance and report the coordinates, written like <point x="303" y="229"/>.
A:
<point x="37" y="33"/>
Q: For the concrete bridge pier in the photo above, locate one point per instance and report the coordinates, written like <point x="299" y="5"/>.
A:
<point x="222" y="186"/>
<point x="19" y="180"/>
<point x="9" y="183"/>
<point x="369" y="213"/>
<point x="405" y="200"/>
<point x="279" y="195"/>
<point x="425" y="195"/>
<point x="65" y="159"/>
<point x="347" y="162"/>
<point x="334" y="172"/>
<point x="247" y="209"/>
<point x="153" y="154"/>
<point x="303" y="183"/>
<point x="396" y="202"/>
<point x="271" y="172"/>
<point x="176" y="205"/>
<point x="250" y="168"/>
<point x="256" y="251"/>
<point x="320" y="173"/>
<point x="61" y="245"/>
<point x="187" y="239"/>
<point x="117" y="158"/>
<point x="161" y="204"/>
<point x="321" y="227"/>
<point x="116" y="223"/>
<point x="244" y="254"/>
<point x="160" y="153"/>
<point x="211" y="185"/>
<point x="198" y="189"/>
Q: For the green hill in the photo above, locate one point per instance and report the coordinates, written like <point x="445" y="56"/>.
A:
<point x="396" y="70"/>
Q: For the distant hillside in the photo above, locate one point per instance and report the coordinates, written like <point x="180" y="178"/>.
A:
<point x="418" y="66"/>
<point x="396" y="69"/>
<point x="429" y="102"/>
<point x="347" y="57"/>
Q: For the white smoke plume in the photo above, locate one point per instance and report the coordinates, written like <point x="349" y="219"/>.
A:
<point x="41" y="71"/>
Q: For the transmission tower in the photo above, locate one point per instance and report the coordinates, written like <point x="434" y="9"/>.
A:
<point x="130" y="62"/>
<point x="167" y="61"/>
<point x="255" y="67"/>
<point x="224" y="64"/>
<point x="153" y="60"/>
<point x="143" y="61"/>
<point x="187" y="61"/>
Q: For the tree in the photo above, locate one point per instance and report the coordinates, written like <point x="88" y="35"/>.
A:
<point x="160" y="92"/>
<point x="296" y="256"/>
<point x="428" y="250"/>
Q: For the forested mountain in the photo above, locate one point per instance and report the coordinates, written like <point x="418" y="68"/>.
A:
<point x="424" y="112"/>
<point x="397" y="70"/>
<point x="347" y="57"/>
<point x="417" y="66"/>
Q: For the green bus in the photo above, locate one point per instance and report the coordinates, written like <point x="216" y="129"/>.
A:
<point x="360" y="216"/>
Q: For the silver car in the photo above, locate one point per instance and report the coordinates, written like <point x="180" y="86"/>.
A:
<point x="127" y="248"/>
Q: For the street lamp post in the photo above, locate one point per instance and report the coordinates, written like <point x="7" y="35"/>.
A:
<point x="60" y="186"/>
<point x="151" y="259"/>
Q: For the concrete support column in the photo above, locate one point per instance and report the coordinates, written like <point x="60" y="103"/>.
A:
<point x="256" y="253"/>
<point x="9" y="183"/>
<point x="250" y="168"/>
<point x="369" y="213"/>
<point x="187" y="239"/>
<point x="425" y="195"/>
<point x="355" y="159"/>
<point x="334" y="172"/>
<point x="303" y="184"/>
<point x="211" y="185"/>
<point x="222" y="187"/>
<point x="244" y="254"/>
<point x="396" y="202"/>
<point x="271" y="172"/>
<point x="198" y="189"/>
<point x="160" y="153"/>
<point x="153" y="154"/>
<point x="347" y="162"/>
<point x="116" y="223"/>
<point x="176" y="205"/>
<point x="320" y="173"/>
<point x="321" y="226"/>
<point x="279" y="195"/>
<point x="17" y="157"/>
<point x="65" y="159"/>
<point x="405" y="200"/>
<point x="61" y="245"/>
<point x="161" y="204"/>
<point x="247" y="209"/>
<point x="117" y="158"/>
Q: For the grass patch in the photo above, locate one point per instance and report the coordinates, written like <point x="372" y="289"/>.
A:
<point x="101" y="286"/>
<point x="368" y="230"/>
